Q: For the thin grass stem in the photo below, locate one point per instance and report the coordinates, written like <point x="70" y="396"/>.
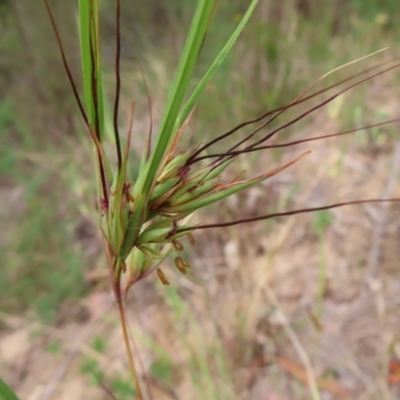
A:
<point x="128" y="348"/>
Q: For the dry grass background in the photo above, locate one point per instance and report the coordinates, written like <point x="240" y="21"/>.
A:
<point x="254" y="319"/>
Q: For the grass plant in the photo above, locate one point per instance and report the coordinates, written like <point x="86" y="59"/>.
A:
<point x="140" y="220"/>
<point x="143" y="218"/>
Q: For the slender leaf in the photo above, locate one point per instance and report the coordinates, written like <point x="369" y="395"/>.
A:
<point x="90" y="47"/>
<point x="215" y="65"/>
<point x="6" y="393"/>
<point x="179" y="86"/>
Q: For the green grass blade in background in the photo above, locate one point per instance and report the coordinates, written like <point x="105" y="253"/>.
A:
<point x="199" y="366"/>
<point x="6" y="393"/>
<point x="88" y="9"/>
<point x="215" y="65"/>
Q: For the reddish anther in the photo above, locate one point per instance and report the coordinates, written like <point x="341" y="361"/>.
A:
<point x="182" y="175"/>
<point x="104" y="204"/>
<point x="183" y="171"/>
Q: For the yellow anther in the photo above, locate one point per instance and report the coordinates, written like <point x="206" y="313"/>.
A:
<point x="162" y="277"/>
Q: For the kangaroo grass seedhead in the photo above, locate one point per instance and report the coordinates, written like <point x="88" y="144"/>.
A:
<point x="143" y="220"/>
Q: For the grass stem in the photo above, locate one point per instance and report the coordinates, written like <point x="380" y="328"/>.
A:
<point x="129" y="348"/>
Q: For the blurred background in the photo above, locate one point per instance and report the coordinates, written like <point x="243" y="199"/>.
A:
<point x="268" y="307"/>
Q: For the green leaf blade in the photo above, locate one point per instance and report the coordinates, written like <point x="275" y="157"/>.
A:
<point x="6" y="392"/>
<point x="179" y="86"/>
<point x="90" y="48"/>
<point x="215" y="65"/>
